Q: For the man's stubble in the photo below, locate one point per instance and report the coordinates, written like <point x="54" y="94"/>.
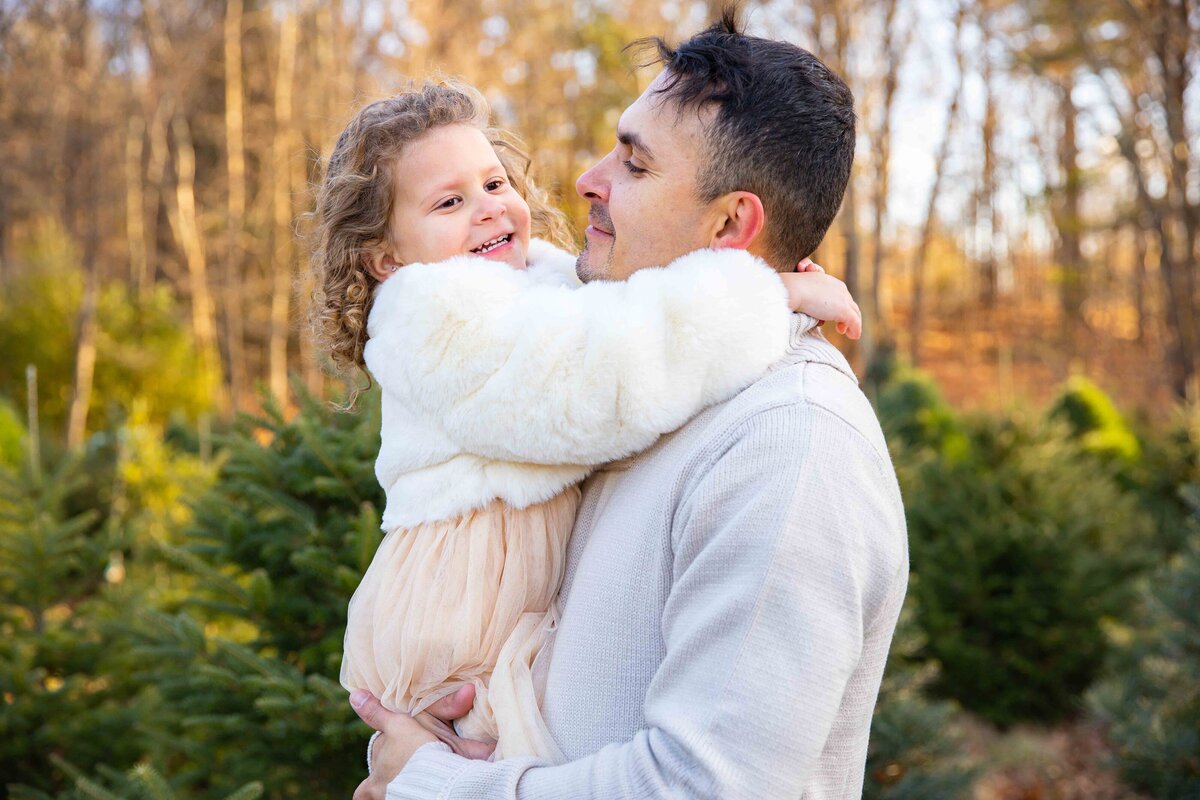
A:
<point x="588" y="272"/>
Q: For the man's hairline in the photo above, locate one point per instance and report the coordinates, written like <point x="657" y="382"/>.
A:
<point x="710" y="135"/>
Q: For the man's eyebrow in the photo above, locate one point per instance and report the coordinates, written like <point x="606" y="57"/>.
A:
<point x="630" y="139"/>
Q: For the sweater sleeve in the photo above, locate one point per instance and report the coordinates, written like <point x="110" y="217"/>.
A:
<point x="779" y="574"/>
<point x="517" y="368"/>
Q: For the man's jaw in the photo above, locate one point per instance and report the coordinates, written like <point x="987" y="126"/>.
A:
<point x="599" y="234"/>
<point x="586" y="268"/>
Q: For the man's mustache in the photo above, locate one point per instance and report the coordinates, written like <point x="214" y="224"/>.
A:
<point x="598" y="218"/>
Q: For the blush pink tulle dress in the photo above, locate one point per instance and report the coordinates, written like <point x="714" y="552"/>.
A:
<point x="465" y="600"/>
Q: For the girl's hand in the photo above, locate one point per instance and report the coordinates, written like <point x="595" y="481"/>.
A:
<point x="812" y="292"/>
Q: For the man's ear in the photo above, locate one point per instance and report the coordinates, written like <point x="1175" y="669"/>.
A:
<point x="741" y="220"/>
<point x="381" y="264"/>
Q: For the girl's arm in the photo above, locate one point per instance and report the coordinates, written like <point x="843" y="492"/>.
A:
<point x="519" y="370"/>
<point x="823" y="296"/>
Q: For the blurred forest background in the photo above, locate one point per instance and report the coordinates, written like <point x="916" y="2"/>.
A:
<point x="183" y="517"/>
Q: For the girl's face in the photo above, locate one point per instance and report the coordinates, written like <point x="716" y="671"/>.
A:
<point x="452" y="196"/>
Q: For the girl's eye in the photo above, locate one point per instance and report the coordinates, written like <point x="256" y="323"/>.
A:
<point x="494" y="184"/>
<point x="449" y="202"/>
<point x="632" y="169"/>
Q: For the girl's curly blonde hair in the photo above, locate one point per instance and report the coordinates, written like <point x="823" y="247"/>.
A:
<point x="354" y="206"/>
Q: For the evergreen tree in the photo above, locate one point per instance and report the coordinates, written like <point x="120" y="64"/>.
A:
<point x="1093" y="418"/>
<point x="62" y="689"/>
<point x="142" y="781"/>
<point x="1152" y="698"/>
<point x="916" y="750"/>
<point x="12" y="435"/>
<point x="73" y="571"/>
<point x="1023" y="544"/>
<point x="1151" y="465"/>
<point x="246" y="661"/>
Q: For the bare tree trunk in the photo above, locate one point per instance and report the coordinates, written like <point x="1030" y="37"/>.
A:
<point x="1139" y="278"/>
<point x="85" y="356"/>
<point x="1172" y="51"/>
<point x="1068" y="218"/>
<point x="990" y="283"/>
<point x="877" y="344"/>
<point x="1179" y="356"/>
<point x="186" y="224"/>
<point x="331" y="74"/>
<point x="156" y="192"/>
<point x="281" y="266"/>
<point x="235" y="168"/>
<point x="1180" y="296"/>
<point x="86" y="329"/>
<point x="33" y="424"/>
<point x="81" y="201"/>
<point x="159" y="108"/>
<point x="894" y="48"/>
<point x="135" y="201"/>
<point x="848" y="212"/>
<point x="3" y="230"/>
<point x="917" y="316"/>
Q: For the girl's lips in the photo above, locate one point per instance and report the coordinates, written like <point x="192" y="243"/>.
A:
<point x="475" y="250"/>
<point x="499" y="253"/>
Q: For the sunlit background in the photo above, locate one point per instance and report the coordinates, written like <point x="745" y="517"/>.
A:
<point x="1021" y="232"/>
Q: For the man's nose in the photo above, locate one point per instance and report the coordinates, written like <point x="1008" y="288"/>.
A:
<point x="594" y="184"/>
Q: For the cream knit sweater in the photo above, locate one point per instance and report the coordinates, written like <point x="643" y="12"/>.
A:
<point x="727" y="609"/>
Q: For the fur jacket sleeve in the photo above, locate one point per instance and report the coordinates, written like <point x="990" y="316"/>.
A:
<point x="531" y="367"/>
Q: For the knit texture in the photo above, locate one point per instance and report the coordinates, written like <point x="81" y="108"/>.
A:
<point x="729" y="599"/>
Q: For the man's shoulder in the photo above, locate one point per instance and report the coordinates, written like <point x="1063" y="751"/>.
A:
<point x="812" y="382"/>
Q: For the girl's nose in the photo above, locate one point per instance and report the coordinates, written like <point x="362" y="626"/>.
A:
<point x="490" y="208"/>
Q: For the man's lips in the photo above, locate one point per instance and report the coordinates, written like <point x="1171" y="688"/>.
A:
<point x="600" y="222"/>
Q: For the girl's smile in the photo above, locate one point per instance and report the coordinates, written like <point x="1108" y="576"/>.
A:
<point x="453" y="196"/>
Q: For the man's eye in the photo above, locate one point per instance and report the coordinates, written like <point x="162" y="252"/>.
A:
<point x="633" y="170"/>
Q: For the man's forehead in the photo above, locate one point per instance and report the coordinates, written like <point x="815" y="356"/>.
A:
<point x="657" y="122"/>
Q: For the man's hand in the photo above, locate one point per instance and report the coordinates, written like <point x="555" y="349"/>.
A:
<point x="402" y="734"/>
<point x="823" y="296"/>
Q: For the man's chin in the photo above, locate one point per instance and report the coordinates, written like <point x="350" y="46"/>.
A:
<point x="592" y="266"/>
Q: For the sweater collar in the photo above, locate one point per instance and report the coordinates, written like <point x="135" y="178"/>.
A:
<point x="808" y="344"/>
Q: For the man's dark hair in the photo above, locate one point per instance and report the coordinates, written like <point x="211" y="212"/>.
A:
<point x="784" y="127"/>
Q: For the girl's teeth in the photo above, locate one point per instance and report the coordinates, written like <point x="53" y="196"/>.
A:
<point x="487" y="247"/>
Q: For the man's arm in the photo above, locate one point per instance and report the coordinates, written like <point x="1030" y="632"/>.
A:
<point x="784" y="548"/>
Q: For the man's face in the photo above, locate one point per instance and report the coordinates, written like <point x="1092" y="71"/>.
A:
<point x="644" y="207"/>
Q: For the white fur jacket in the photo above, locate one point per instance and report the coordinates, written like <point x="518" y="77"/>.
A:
<point x="499" y="383"/>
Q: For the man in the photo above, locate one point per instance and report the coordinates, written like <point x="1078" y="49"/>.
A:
<point x="731" y="592"/>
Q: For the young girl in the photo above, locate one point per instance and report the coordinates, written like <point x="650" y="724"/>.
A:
<point x="504" y="382"/>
